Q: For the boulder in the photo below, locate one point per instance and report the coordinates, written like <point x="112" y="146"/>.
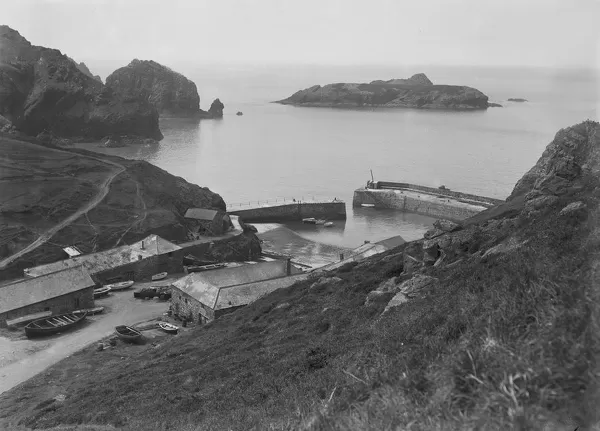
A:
<point x="171" y="93"/>
<point x="417" y="285"/>
<point x="216" y="109"/>
<point x="432" y="233"/>
<point x="398" y="299"/>
<point x="577" y="210"/>
<point x="446" y="225"/>
<point x="42" y="89"/>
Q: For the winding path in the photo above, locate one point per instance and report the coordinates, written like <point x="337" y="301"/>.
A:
<point x="102" y="192"/>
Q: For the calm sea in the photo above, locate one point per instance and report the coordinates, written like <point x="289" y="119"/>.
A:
<point x="275" y="152"/>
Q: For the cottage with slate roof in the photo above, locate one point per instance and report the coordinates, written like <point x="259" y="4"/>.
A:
<point x="204" y="296"/>
<point x="58" y="292"/>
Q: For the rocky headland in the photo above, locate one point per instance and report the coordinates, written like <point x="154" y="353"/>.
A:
<point x="171" y="93"/>
<point x="42" y="185"/>
<point x="487" y="324"/>
<point x="517" y="99"/>
<point x="415" y="92"/>
<point x="43" y="90"/>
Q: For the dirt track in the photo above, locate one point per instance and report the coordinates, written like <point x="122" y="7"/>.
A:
<point x="23" y="358"/>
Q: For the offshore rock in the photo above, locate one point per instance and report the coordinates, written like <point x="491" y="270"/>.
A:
<point x="216" y="109"/>
<point x="416" y="92"/>
<point x="171" y="93"/>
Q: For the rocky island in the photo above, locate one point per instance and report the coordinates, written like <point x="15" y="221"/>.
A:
<point x="171" y="93"/>
<point x="43" y="90"/>
<point x="416" y="92"/>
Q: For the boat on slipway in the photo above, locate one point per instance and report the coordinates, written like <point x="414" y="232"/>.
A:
<point x="168" y="328"/>
<point x="120" y="286"/>
<point x="159" y="276"/>
<point x="54" y="324"/>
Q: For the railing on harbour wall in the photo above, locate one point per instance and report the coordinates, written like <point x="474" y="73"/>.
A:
<point x="283" y="201"/>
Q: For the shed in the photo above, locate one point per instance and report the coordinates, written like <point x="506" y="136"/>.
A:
<point x="204" y="296"/>
<point x="208" y="222"/>
<point x="59" y="292"/>
<point x="137" y="261"/>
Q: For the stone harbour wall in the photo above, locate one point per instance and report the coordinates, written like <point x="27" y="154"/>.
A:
<point x="441" y="208"/>
<point x="293" y="211"/>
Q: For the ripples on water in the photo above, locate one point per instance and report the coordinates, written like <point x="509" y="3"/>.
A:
<point x="276" y="151"/>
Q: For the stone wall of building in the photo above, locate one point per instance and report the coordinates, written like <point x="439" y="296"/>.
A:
<point x="293" y="211"/>
<point x="184" y="306"/>
<point x="83" y="298"/>
<point x="143" y="269"/>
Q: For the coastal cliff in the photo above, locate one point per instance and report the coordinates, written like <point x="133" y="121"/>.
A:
<point x="46" y="185"/>
<point x="43" y="90"/>
<point x="487" y="324"/>
<point x="171" y="93"/>
<point x="416" y="92"/>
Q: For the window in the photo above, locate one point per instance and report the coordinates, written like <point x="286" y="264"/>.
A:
<point x="47" y="309"/>
<point x="170" y="254"/>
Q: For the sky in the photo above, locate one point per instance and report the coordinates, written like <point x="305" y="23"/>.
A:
<point x="536" y="33"/>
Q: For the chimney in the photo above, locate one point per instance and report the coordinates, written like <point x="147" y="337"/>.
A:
<point x="288" y="266"/>
<point x="341" y="256"/>
<point x="142" y="244"/>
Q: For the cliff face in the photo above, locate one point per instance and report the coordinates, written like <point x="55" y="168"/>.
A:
<point x="170" y="92"/>
<point x="42" y="89"/>
<point x="416" y="92"/>
<point x="83" y="68"/>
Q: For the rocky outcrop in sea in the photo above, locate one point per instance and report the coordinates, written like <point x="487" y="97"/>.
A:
<point x="43" y="90"/>
<point x="171" y="93"/>
<point x="416" y="92"/>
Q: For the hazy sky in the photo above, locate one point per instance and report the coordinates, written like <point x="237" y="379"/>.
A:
<point x="556" y="33"/>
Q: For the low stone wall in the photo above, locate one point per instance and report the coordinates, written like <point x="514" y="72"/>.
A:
<point x="293" y="211"/>
<point x="443" y="208"/>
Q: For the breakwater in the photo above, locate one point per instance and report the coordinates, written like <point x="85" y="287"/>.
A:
<point x="292" y="211"/>
<point x="429" y="201"/>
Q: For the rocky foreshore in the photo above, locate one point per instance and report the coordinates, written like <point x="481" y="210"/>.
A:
<point x="417" y="92"/>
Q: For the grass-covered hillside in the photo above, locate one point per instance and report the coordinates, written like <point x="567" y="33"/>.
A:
<point x="491" y="325"/>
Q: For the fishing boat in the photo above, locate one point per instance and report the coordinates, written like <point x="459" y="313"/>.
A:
<point x="28" y="318"/>
<point x="309" y="220"/>
<point x="120" y="286"/>
<point x="127" y="333"/>
<point x="159" y="276"/>
<point x="168" y="328"/>
<point x="54" y="324"/>
<point x="328" y="224"/>
<point x="239" y="113"/>
<point x="101" y="291"/>
<point x="91" y="311"/>
<point x="321" y="221"/>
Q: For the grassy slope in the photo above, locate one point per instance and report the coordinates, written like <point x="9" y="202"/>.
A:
<point x="142" y="200"/>
<point x="510" y="342"/>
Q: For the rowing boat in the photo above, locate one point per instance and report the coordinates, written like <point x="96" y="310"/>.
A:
<point x="200" y="268"/>
<point x="168" y="328"/>
<point x="159" y="276"/>
<point x="127" y="333"/>
<point x="28" y="318"/>
<point x="54" y="324"/>
<point x="101" y="291"/>
<point x="120" y="286"/>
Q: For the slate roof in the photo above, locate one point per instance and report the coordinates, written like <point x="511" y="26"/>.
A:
<point x="33" y="290"/>
<point x="153" y="245"/>
<point x="201" y="214"/>
<point x="247" y="293"/>
<point x="205" y="286"/>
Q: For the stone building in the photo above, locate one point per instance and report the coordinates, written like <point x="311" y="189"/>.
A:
<point x="205" y="296"/>
<point x="58" y="292"/>
<point x="137" y="261"/>
<point x="208" y="222"/>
